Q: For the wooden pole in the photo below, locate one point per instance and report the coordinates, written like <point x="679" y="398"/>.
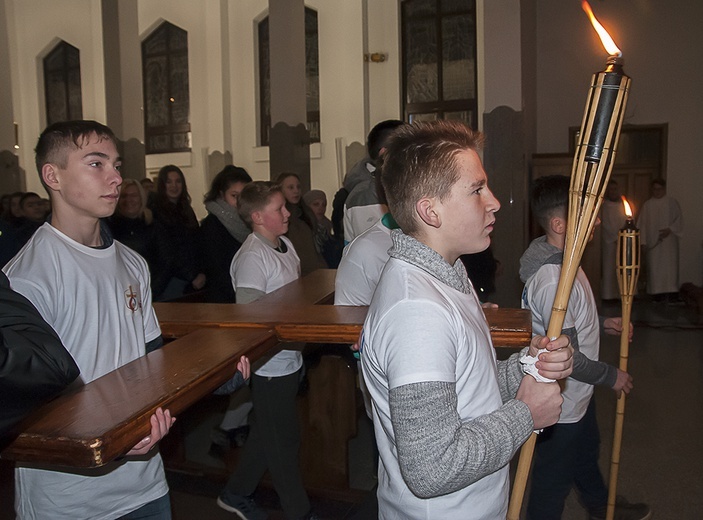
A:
<point x="593" y="162"/>
<point x="628" y="255"/>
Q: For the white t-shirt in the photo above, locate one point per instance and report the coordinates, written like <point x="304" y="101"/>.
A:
<point x="99" y="303"/>
<point x="358" y="219"/>
<point x="361" y="265"/>
<point x="259" y="266"/>
<point x="581" y="314"/>
<point x="419" y="330"/>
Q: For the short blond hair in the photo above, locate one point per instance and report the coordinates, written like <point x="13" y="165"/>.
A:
<point x="420" y="161"/>
<point x="254" y="197"/>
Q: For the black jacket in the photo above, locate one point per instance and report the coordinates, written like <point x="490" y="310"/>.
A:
<point x="218" y="247"/>
<point x="34" y="365"/>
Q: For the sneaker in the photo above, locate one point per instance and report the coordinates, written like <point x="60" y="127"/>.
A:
<point x="244" y="507"/>
<point x="626" y="511"/>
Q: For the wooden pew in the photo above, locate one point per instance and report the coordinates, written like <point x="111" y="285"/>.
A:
<point x="102" y="420"/>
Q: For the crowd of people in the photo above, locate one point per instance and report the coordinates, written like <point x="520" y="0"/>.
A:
<point x="448" y="416"/>
<point x="185" y="256"/>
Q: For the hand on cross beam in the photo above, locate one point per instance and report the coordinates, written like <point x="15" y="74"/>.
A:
<point x="161" y="422"/>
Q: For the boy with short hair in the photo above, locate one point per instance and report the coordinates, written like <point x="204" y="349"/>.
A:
<point x="362" y="206"/>
<point x="448" y="416"/>
<point x="566" y="454"/>
<point x="265" y="262"/>
<point x="95" y="293"/>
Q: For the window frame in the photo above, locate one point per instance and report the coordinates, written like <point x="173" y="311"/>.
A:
<point x="439" y="107"/>
<point x="171" y="129"/>
<point x="65" y="74"/>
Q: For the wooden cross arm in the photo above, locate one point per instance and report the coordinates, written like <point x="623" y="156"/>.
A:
<point x="304" y="322"/>
<point x="511" y="328"/>
<point x="313" y="323"/>
<point x="103" y="420"/>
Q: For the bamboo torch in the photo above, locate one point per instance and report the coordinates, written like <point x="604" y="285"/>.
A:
<point x="628" y="270"/>
<point x="593" y="162"/>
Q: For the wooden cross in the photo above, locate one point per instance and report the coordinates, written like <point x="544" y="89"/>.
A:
<point x="98" y="422"/>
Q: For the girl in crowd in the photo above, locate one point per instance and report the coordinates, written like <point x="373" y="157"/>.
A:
<point x="222" y="232"/>
<point x="175" y="221"/>
<point x="133" y="223"/>
<point x="301" y="225"/>
<point x="329" y="246"/>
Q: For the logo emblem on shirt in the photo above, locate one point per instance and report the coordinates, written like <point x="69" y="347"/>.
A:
<point x="134" y="303"/>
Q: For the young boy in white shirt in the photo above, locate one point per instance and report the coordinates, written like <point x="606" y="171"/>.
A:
<point x="448" y="416"/>
<point x="566" y="454"/>
<point x="265" y="262"/>
<point x="95" y="293"/>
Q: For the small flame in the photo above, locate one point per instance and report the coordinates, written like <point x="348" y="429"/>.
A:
<point x="608" y="42"/>
<point x="628" y="210"/>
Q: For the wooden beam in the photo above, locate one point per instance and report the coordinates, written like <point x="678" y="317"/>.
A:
<point x="98" y="422"/>
<point x="104" y="419"/>
<point x="313" y="323"/>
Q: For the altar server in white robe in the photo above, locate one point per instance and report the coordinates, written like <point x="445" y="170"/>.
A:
<point x="612" y="220"/>
<point x="661" y="225"/>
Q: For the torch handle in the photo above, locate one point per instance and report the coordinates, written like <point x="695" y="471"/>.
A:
<point x="521" y="475"/>
<point x="620" y="410"/>
<point x="556" y="323"/>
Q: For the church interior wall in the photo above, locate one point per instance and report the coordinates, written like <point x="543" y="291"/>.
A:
<point x="662" y="45"/>
<point x="38" y="27"/>
<point x="660" y="42"/>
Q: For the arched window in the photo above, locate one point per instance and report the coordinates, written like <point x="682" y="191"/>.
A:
<point x="312" y="78"/>
<point x="62" y="84"/>
<point x="439" y="60"/>
<point x="166" y="91"/>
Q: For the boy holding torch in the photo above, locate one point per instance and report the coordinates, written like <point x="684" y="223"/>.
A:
<point x="448" y="416"/>
<point x="566" y="454"/>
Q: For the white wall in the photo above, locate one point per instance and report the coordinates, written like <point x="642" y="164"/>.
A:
<point x="663" y="47"/>
<point x="37" y="27"/>
<point x="341" y="86"/>
<point x="205" y="81"/>
<point x="501" y="64"/>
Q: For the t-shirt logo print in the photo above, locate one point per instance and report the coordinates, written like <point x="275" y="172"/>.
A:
<point x="132" y="299"/>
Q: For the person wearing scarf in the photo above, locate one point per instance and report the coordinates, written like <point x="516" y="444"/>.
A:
<point x="301" y="225"/>
<point x="222" y="232"/>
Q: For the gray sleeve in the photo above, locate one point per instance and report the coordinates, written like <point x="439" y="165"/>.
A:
<point x="587" y="370"/>
<point x="510" y="376"/>
<point x="155" y="344"/>
<point x="247" y="294"/>
<point x="593" y="372"/>
<point x="236" y="382"/>
<point x="438" y="454"/>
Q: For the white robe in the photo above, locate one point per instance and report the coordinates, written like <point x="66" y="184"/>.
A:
<point x="612" y="220"/>
<point x="662" y="256"/>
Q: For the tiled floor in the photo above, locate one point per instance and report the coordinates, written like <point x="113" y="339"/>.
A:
<point x="662" y="452"/>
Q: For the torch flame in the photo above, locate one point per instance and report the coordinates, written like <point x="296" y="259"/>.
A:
<point x="608" y="42"/>
<point x="628" y="210"/>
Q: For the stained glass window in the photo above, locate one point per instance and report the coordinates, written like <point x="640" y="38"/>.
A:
<point x="62" y="84"/>
<point x="439" y="60"/>
<point x="166" y="90"/>
<point x="312" y="78"/>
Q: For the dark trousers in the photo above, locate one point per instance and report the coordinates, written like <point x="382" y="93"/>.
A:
<point x="566" y="455"/>
<point x="159" y="509"/>
<point x="273" y="444"/>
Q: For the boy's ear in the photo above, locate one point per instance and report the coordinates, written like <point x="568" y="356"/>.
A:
<point x="48" y="175"/>
<point x="256" y="217"/>
<point x="427" y="212"/>
<point x="557" y="225"/>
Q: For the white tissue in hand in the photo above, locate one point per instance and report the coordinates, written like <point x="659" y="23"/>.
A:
<point x="528" y="366"/>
